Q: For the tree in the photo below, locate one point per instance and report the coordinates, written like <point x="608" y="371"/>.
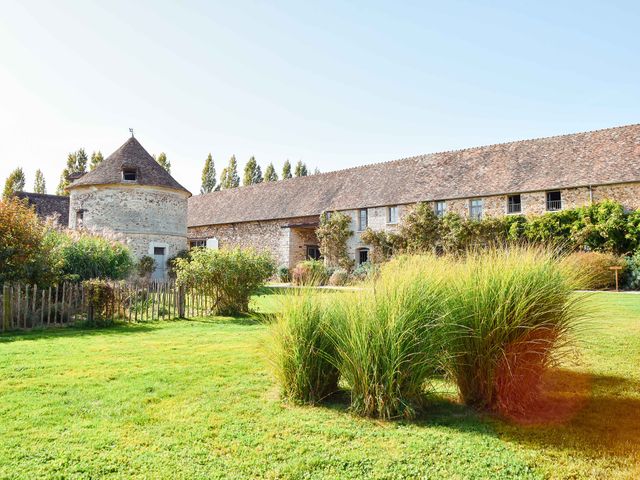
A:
<point x="229" y="177"/>
<point x="270" y="174"/>
<point x="301" y="169"/>
<point x="316" y="171"/>
<point x="39" y="185"/>
<point x="96" y="159"/>
<point x="14" y="183"/>
<point x="76" y="163"/>
<point x="162" y="160"/>
<point x="333" y="233"/>
<point x="208" y="176"/>
<point x="286" y="170"/>
<point x="252" y="173"/>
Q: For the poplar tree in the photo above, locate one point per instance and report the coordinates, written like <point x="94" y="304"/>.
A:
<point x="14" y="183"/>
<point x="208" y="176"/>
<point x="39" y="185"/>
<point x="230" y="178"/>
<point x="286" y="170"/>
<point x="270" y="174"/>
<point x="96" y="159"/>
<point x="76" y="163"/>
<point x="252" y="172"/>
<point x="301" y="169"/>
<point x="162" y="160"/>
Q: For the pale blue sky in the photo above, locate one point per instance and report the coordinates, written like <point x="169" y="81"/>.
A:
<point x="335" y="84"/>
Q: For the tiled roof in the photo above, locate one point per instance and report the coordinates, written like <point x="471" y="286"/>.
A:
<point x="49" y="205"/>
<point x="592" y="158"/>
<point x="130" y="155"/>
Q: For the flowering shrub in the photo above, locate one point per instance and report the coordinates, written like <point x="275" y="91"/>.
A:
<point x="309" y="273"/>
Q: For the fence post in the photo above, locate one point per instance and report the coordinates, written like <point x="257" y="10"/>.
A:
<point x="181" y="300"/>
<point x="6" y="309"/>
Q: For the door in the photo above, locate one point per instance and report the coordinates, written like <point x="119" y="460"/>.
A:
<point x="159" y="254"/>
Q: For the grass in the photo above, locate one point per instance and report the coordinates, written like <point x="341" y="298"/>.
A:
<point x="193" y="399"/>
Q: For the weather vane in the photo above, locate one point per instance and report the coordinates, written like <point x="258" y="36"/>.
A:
<point x="131" y="131"/>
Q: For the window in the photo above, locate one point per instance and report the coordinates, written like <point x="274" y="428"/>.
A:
<point x="158" y="251"/>
<point x="475" y="209"/>
<point x="392" y="214"/>
<point x="362" y="219"/>
<point x="313" y="252"/>
<point x="129" y="174"/>
<point x="554" y="201"/>
<point x="514" y="204"/>
<point x="79" y="218"/>
<point x="363" y="255"/>
<point x="197" y="243"/>
<point x="441" y="208"/>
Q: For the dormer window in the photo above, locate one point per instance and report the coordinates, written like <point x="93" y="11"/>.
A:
<point x="129" y="174"/>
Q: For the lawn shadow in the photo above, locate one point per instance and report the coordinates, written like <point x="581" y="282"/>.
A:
<point x="77" y="331"/>
<point x="591" y="414"/>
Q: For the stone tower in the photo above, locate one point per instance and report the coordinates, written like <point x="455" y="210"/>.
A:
<point x="131" y="194"/>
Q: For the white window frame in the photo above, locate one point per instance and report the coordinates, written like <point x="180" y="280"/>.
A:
<point x="392" y="220"/>
<point x="476" y="208"/>
<point x="361" y="228"/>
<point x="440" y="212"/>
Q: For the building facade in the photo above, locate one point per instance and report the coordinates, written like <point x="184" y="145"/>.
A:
<point x="131" y="194"/>
<point x="528" y="177"/>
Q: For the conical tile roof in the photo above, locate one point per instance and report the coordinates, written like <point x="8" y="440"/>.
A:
<point x="131" y="155"/>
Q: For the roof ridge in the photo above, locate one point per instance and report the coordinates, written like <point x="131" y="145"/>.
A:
<point x="424" y="155"/>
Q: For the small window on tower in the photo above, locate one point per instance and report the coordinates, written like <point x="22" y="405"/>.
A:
<point x="129" y="174"/>
<point x="79" y="218"/>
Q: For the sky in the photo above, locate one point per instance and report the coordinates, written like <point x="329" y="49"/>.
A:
<point x="334" y="84"/>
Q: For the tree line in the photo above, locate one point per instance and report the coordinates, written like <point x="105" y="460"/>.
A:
<point x="78" y="161"/>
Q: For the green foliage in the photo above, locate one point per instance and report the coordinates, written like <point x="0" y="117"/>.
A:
<point x="76" y="163"/>
<point x="145" y="266"/>
<point x="164" y="163"/>
<point x="96" y="159"/>
<point x="229" y="277"/>
<point x="419" y="229"/>
<point x="21" y="235"/>
<point x="39" y="185"/>
<point x="252" y="172"/>
<point x="14" y="183"/>
<point x="333" y="233"/>
<point x="299" y="350"/>
<point x="284" y="274"/>
<point x="286" y="170"/>
<point x="388" y="340"/>
<point x="309" y="273"/>
<point x="384" y="243"/>
<point x="171" y="262"/>
<point x="229" y="177"/>
<point x="301" y="169"/>
<point x="511" y="315"/>
<point x="363" y="272"/>
<point x="270" y="174"/>
<point x="208" y="176"/>
<point x="87" y="256"/>
<point x="100" y="300"/>
<point x="631" y="279"/>
<point x="339" y="277"/>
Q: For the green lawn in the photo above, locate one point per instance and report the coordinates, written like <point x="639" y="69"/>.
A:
<point x="193" y="399"/>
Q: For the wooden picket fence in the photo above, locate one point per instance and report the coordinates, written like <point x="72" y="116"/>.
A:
<point x="27" y="306"/>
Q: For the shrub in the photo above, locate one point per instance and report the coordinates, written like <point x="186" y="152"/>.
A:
<point x="339" y="277"/>
<point x="171" y="262"/>
<point x="387" y="342"/>
<point x="632" y="273"/>
<point x="145" y="266"/>
<point x="300" y="351"/>
<point x="363" y="272"/>
<point x="228" y="276"/>
<point x="309" y="273"/>
<point x="100" y="298"/>
<point x="333" y="233"/>
<point x="596" y="267"/>
<point x="284" y="274"/>
<point x="88" y="255"/>
<point x="21" y="236"/>
<point x="511" y="313"/>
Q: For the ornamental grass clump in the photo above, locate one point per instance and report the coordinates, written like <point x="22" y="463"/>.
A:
<point x="300" y="351"/>
<point x="512" y="313"/>
<point x="388" y="337"/>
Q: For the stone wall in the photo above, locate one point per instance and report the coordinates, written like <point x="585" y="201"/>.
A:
<point x="287" y="245"/>
<point x="145" y="216"/>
